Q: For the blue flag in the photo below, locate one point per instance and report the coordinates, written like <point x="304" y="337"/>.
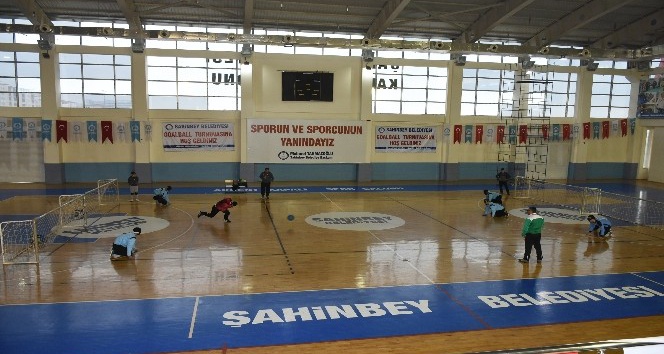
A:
<point x="17" y="128"/>
<point x="46" y="125"/>
<point x="92" y="130"/>
<point x="135" y="129"/>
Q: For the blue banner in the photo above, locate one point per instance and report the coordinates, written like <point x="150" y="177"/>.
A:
<point x="135" y="129"/>
<point x="17" y="128"/>
<point x="596" y="130"/>
<point x="511" y="134"/>
<point x="46" y="125"/>
<point x="92" y="130"/>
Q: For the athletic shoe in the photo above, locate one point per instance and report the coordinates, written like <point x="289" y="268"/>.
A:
<point x="523" y="260"/>
<point x="200" y="213"/>
<point x="539" y="260"/>
<point x="136" y="200"/>
<point x="227" y="220"/>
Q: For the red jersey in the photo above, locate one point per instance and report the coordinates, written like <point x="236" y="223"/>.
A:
<point x="224" y="204"/>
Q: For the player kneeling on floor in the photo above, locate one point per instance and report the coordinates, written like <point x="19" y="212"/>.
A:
<point x="599" y="228"/>
<point x="124" y="246"/>
<point x="494" y="209"/>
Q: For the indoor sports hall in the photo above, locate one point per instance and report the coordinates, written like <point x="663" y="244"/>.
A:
<point x="371" y="148"/>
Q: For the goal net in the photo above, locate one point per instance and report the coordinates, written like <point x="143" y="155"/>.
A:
<point x="40" y="235"/>
<point x="583" y="199"/>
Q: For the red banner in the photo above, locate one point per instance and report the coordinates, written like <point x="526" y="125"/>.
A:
<point x="500" y="134"/>
<point x="457" y="134"/>
<point x="545" y="131"/>
<point x="106" y="131"/>
<point x="479" y="132"/>
<point x="586" y="130"/>
<point x="567" y="131"/>
<point x="523" y="133"/>
<point x="605" y="129"/>
<point x="623" y="127"/>
<point x="61" y="130"/>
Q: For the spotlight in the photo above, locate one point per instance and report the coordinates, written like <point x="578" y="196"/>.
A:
<point x="459" y="60"/>
<point x="589" y="64"/>
<point x="138" y="45"/>
<point x="367" y="55"/>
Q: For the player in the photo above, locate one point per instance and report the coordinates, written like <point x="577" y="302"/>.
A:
<point x="223" y="205"/>
<point x="599" y="227"/>
<point x="124" y="246"/>
<point x="161" y="195"/>
<point x="494" y="209"/>
<point x="493" y="197"/>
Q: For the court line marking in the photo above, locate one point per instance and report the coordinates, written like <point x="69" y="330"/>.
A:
<point x="193" y="318"/>
<point x="384" y="244"/>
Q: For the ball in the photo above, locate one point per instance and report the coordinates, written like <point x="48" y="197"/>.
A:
<point x="291" y="217"/>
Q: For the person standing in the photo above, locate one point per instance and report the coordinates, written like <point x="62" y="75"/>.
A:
<point x="124" y="246"/>
<point x="503" y="178"/>
<point x="133" y="186"/>
<point x="161" y="195"/>
<point x="266" y="179"/>
<point x="532" y="233"/>
<point x="221" y="206"/>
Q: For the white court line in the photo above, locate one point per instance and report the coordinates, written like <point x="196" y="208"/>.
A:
<point x="193" y="318"/>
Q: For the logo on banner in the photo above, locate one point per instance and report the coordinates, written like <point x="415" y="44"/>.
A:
<point x="355" y="221"/>
<point x="553" y="215"/>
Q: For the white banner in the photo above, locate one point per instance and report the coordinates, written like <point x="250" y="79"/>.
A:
<point x="305" y="141"/>
<point x="406" y="139"/>
<point x="197" y="136"/>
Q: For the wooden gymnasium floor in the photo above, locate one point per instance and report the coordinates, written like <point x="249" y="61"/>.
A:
<point x="444" y="240"/>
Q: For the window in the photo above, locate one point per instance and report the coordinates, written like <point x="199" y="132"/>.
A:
<point x="552" y="94"/>
<point x="193" y="83"/>
<point x="95" y="81"/>
<point x="409" y="89"/>
<point x="19" y="79"/>
<point x="610" y="96"/>
<point x="481" y="91"/>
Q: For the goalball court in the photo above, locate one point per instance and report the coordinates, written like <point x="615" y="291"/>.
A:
<point x="410" y="267"/>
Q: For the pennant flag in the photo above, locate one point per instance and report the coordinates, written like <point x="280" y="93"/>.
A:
<point x="596" y="128"/>
<point x="147" y="127"/>
<point x="77" y="131"/>
<point x="545" y="131"/>
<point x="17" y="128"/>
<point x="555" y="132"/>
<point x="479" y="132"/>
<point x="523" y="133"/>
<point x="135" y="128"/>
<point x="490" y="133"/>
<point x="447" y="132"/>
<point x="457" y="134"/>
<point x="567" y="131"/>
<point x="3" y="128"/>
<point x="122" y="131"/>
<point x="500" y="134"/>
<point x="623" y="127"/>
<point x="92" y="130"/>
<point x="106" y="131"/>
<point x="511" y="134"/>
<point x="61" y="130"/>
<point x="632" y="125"/>
<point x="46" y="129"/>
<point x="32" y="128"/>
<point x="614" y="128"/>
<point x="468" y="134"/>
<point x="586" y="130"/>
<point x="576" y="131"/>
<point x="605" y="129"/>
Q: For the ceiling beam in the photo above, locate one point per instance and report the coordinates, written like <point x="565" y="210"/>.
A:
<point x="491" y="19"/>
<point x="248" y="16"/>
<point x="648" y="25"/>
<point x="575" y="19"/>
<point x="387" y="14"/>
<point x="34" y="13"/>
<point x="129" y="11"/>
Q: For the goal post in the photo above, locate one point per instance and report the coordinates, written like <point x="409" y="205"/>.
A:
<point x="19" y="242"/>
